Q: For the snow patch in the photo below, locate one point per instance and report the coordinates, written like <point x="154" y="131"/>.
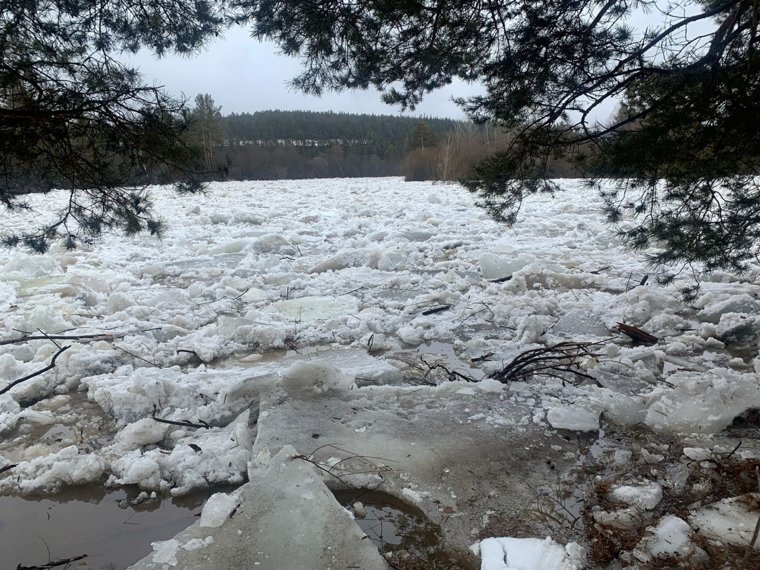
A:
<point x="508" y="553"/>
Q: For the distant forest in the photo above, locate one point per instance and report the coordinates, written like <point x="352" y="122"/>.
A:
<point x="306" y="144"/>
<point x="270" y="145"/>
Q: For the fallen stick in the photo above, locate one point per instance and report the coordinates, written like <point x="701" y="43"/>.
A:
<point x="33" y="374"/>
<point x="57" y="337"/>
<point x="183" y="423"/>
<point x="53" y="564"/>
<point x="637" y="334"/>
<point x="435" y="310"/>
<point x="554" y="361"/>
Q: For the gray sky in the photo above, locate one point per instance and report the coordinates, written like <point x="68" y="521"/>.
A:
<point x="245" y="75"/>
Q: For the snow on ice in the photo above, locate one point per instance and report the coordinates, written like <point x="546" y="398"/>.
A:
<point x="529" y="554"/>
<point x="264" y="295"/>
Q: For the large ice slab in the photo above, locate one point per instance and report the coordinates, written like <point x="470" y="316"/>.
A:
<point x="729" y="521"/>
<point x="286" y="519"/>
<point x="309" y="309"/>
<point x="454" y="448"/>
<point x="573" y="418"/>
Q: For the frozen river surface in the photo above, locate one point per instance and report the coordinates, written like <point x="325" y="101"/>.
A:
<point x="341" y="286"/>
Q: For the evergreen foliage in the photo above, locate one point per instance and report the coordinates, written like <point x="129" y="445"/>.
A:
<point x="206" y="129"/>
<point x="421" y="137"/>
<point x="384" y="135"/>
<point x="308" y="144"/>
<point x="688" y="145"/>
<point x="685" y="147"/>
<point x="73" y="117"/>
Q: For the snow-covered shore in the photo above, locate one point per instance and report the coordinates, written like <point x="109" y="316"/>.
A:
<point x="262" y="292"/>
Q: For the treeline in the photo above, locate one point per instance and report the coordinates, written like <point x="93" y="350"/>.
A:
<point x="308" y="144"/>
<point x="385" y="135"/>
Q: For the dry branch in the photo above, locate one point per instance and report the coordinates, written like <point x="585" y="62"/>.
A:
<point x="33" y="374"/>
<point x="183" y="423"/>
<point x="556" y="361"/>
<point x="452" y="374"/>
<point x="88" y="337"/>
<point x="331" y="470"/>
<point x="435" y="310"/>
<point x="637" y="334"/>
<point x="186" y="351"/>
<point x="53" y="564"/>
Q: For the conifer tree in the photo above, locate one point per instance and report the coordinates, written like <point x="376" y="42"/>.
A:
<point x="206" y="127"/>
<point x="687" y="154"/>
<point x="72" y="116"/>
<point x="686" y="151"/>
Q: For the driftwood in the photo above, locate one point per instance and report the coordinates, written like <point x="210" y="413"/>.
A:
<point x="452" y="374"/>
<point x="435" y="310"/>
<point x="87" y="337"/>
<point x="33" y="374"/>
<point x="182" y="423"/>
<point x="558" y="361"/>
<point x="193" y="353"/>
<point x="637" y="334"/>
<point x="53" y="564"/>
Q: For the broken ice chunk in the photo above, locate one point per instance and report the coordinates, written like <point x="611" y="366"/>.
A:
<point x="508" y="553"/>
<point x="644" y="496"/>
<point x="573" y="418"/>
<point x="730" y="521"/>
<point x="315" y="376"/>
<point x="142" y="432"/>
<point x="671" y="537"/>
<point x="218" y="508"/>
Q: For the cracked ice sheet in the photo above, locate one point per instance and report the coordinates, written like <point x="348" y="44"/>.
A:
<point x="382" y="251"/>
<point x="427" y="444"/>
<point x="286" y="518"/>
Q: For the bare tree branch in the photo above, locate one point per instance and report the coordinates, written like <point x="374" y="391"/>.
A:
<point x="34" y="374"/>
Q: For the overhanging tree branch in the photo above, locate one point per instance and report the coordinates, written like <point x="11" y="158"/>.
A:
<point x="690" y="113"/>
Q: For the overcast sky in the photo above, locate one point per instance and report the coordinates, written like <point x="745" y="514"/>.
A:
<point x="244" y="75"/>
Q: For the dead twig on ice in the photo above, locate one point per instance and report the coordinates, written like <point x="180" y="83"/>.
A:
<point x="53" y="564"/>
<point x="340" y="469"/>
<point x="33" y="374"/>
<point x="137" y="356"/>
<point x="557" y="361"/>
<point x="453" y="375"/>
<point x="182" y="423"/>
<point x="30" y="337"/>
<point x="637" y="334"/>
<point x="751" y="547"/>
<point x="435" y="310"/>
<point x="192" y="352"/>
